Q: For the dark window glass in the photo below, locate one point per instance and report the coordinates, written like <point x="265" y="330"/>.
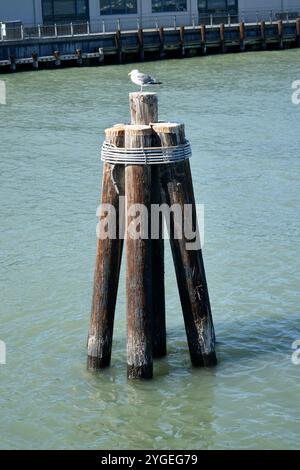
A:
<point x="215" y="6"/>
<point x="65" y="10"/>
<point x="159" y="6"/>
<point x="47" y="8"/>
<point x="118" y="7"/>
<point x="82" y="7"/>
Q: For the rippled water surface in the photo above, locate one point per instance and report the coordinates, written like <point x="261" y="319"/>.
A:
<point x="245" y="136"/>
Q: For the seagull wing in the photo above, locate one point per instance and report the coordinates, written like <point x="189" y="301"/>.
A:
<point x="146" y="79"/>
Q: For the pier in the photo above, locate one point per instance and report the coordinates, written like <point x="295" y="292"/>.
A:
<point x="52" y="48"/>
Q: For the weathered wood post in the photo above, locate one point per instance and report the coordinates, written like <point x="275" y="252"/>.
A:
<point x="108" y="261"/>
<point x="263" y="34"/>
<point x="35" y="60"/>
<point x="138" y="259"/>
<point x="242" y="36"/>
<point x="203" y="38"/>
<point x="13" y="65"/>
<point x="222" y="37"/>
<point x="144" y="110"/>
<point x="176" y="187"/>
<point x="298" y="31"/>
<point x="118" y="41"/>
<point x="140" y="37"/>
<point x="280" y="33"/>
<point x="182" y="47"/>
<point x="57" y="61"/>
<point x="161" y="42"/>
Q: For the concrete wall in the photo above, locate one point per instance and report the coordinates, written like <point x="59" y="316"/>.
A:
<point x="269" y="4"/>
<point x="28" y="11"/>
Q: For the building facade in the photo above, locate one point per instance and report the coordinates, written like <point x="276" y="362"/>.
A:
<point x="33" y="12"/>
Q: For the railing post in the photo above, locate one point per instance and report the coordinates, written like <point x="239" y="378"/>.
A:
<point x="175" y="22"/>
<point x="256" y="17"/>
<point x="39" y="30"/>
<point x="88" y="28"/>
<point x="229" y="19"/>
<point x="287" y="17"/>
<point x="138" y="23"/>
<point x="55" y="30"/>
<point x="193" y="21"/>
<point x="118" y="24"/>
<point x="211" y="20"/>
<point x="1" y="32"/>
<point x="271" y="17"/>
<point x="22" y="32"/>
<point x="103" y="26"/>
<point x="156" y="23"/>
<point x="72" y="29"/>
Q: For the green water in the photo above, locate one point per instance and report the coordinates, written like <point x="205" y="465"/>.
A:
<point x="244" y="132"/>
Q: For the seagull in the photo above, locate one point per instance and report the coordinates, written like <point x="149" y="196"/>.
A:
<point x="142" y="79"/>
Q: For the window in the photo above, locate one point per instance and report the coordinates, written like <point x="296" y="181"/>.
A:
<point x="160" y="6"/>
<point x="55" y="11"/>
<point x="217" y="6"/>
<point x="118" y="7"/>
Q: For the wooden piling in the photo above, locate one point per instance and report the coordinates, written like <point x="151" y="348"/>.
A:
<point x="203" y="38"/>
<point x="101" y="55"/>
<point x="222" y="37"/>
<point x="144" y="110"/>
<point x="182" y="48"/>
<point x="35" y="60"/>
<point x="176" y="187"/>
<point x="298" y="31"/>
<point x="13" y="65"/>
<point x="118" y="41"/>
<point x="138" y="261"/>
<point x="161" y="42"/>
<point x="57" y="60"/>
<point x="263" y="34"/>
<point x="242" y="36"/>
<point x="280" y="33"/>
<point x="140" y="36"/>
<point x="108" y="261"/>
<point x="78" y="53"/>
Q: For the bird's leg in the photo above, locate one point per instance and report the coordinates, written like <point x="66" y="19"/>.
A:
<point x="141" y="88"/>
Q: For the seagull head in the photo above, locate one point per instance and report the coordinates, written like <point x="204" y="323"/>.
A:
<point x="133" y="72"/>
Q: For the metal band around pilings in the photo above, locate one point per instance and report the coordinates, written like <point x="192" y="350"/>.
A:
<point x="145" y="156"/>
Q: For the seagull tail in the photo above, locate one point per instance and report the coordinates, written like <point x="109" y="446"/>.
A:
<point x="156" y="83"/>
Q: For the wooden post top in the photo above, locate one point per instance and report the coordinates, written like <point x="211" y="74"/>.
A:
<point x="138" y="129"/>
<point x="116" y="131"/>
<point x="136" y="94"/>
<point x="167" y="127"/>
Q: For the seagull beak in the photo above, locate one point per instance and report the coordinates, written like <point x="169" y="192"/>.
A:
<point x="129" y="73"/>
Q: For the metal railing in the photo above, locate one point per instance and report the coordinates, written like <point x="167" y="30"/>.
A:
<point x="21" y="31"/>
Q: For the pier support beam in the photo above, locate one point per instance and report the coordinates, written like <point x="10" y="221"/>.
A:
<point x="144" y="110"/>
<point x="263" y="35"/>
<point x="177" y="189"/>
<point x="182" y="48"/>
<point x="203" y="39"/>
<point x="140" y="36"/>
<point x="138" y="260"/>
<point x="298" y="31"/>
<point x="280" y="33"/>
<point x="108" y="261"/>
<point x="222" y="38"/>
<point x="242" y="36"/>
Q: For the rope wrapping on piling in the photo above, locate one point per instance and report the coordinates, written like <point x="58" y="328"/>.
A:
<point x="145" y="156"/>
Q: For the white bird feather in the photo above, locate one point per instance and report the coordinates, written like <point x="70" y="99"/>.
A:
<point x="142" y="79"/>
